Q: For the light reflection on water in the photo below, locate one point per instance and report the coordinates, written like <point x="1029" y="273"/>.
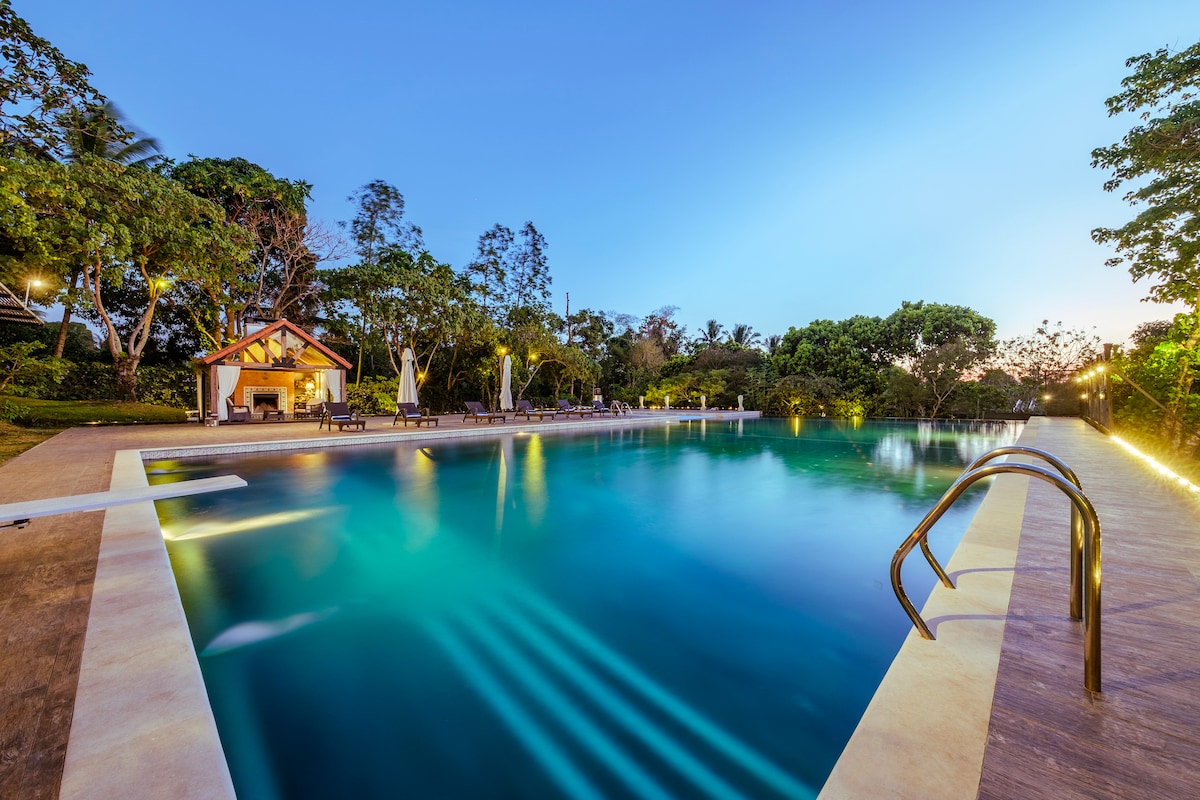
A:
<point x="384" y="618"/>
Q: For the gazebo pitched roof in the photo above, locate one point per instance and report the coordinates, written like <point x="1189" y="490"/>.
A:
<point x="280" y="345"/>
<point x="12" y="310"/>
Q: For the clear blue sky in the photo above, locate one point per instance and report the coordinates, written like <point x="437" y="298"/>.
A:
<point x="767" y="162"/>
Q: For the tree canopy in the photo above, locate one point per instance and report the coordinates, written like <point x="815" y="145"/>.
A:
<point x="1157" y="164"/>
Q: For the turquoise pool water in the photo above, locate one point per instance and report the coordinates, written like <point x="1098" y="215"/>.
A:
<point x="685" y="611"/>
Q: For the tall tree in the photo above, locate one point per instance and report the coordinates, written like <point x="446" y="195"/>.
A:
<point x="489" y="270"/>
<point x="529" y="275"/>
<point x="377" y="230"/>
<point x="274" y="209"/>
<point x="711" y="333"/>
<point x="124" y="224"/>
<point x="1158" y="165"/>
<point x="37" y="83"/>
<point x="743" y="335"/>
<point x="379" y="222"/>
<point x="98" y="131"/>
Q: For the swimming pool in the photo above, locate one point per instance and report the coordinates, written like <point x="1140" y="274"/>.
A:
<point x="695" y="610"/>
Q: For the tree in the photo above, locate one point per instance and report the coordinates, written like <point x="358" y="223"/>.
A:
<point x="1158" y="163"/>
<point x="743" y="335"/>
<point x="1161" y="158"/>
<point x="100" y="131"/>
<point x="1049" y="355"/>
<point x="124" y="224"/>
<point x="274" y="210"/>
<point x="489" y="270"/>
<point x="941" y="344"/>
<point x="528" y="275"/>
<point x="379" y="222"/>
<point x="37" y="82"/>
<point x="19" y="361"/>
<point x="97" y="132"/>
<point x="855" y="352"/>
<point x="711" y="333"/>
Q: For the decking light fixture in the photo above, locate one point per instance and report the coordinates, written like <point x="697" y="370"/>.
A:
<point x="1161" y="469"/>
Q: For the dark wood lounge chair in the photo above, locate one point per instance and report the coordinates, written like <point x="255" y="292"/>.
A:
<point x="567" y="409"/>
<point x="476" y="412"/>
<point x="525" y="409"/>
<point x="410" y="413"/>
<point x="601" y="409"/>
<point x="340" y="414"/>
<point x="237" y="413"/>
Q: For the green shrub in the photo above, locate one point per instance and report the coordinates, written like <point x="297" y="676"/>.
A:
<point x="373" y="396"/>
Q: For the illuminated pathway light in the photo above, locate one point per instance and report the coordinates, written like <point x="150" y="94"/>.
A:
<point x="1161" y="469"/>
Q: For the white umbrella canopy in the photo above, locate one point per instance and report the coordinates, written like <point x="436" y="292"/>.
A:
<point x="506" y="402"/>
<point x="407" y="393"/>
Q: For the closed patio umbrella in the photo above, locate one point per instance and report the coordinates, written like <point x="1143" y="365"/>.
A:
<point x="506" y="402"/>
<point x="407" y="393"/>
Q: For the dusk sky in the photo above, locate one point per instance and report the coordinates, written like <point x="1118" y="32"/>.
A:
<point x="767" y="163"/>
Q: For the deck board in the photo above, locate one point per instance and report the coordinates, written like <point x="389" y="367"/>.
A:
<point x="1139" y="738"/>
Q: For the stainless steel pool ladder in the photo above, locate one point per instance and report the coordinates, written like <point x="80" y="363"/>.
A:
<point x="1085" y="545"/>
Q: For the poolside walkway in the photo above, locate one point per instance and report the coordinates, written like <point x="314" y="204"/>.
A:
<point x="1047" y="737"/>
<point x="996" y="708"/>
<point x="1140" y="737"/>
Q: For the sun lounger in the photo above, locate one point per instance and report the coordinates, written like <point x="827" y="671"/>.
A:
<point x="601" y="408"/>
<point x="476" y="412"/>
<point x="340" y="414"/>
<point x="410" y="413"/>
<point x="525" y="409"/>
<point x="567" y="409"/>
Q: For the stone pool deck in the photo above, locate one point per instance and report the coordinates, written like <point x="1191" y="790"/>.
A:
<point x="996" y="704"/>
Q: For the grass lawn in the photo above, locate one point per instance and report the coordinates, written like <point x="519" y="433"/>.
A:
<point x="35" y="421"/>
<point x="15" y="440"/>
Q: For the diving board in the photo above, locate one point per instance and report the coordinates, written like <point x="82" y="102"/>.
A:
<point x="21" y="513"/>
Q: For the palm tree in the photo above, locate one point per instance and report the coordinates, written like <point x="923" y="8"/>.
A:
<point x="744" y="336"/>
<point x="99" y="132"/>
<point x="772" y="343"/>
<point x="711" y="334"/>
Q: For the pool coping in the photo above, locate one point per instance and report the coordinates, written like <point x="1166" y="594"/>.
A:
<point x="139" y="665"/>
<point x="924" y="733"/>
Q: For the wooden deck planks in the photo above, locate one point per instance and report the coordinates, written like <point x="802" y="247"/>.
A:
<point x="1139" y="738"/>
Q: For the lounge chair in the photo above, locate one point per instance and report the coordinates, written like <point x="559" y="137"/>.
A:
<point x="237" y="413"/>
<point x="340" y="414"/>
<point x="567" y="409"/>
<point x="601" y="408"/>
<point x="410" y="413"/>
<point x="476" y="412"/>
<point x="525" y="409"/>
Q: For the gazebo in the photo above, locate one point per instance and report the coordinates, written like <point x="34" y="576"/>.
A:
<point x="275" y="370"/>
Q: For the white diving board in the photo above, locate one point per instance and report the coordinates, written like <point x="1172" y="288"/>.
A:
<point x="21" y="513"/>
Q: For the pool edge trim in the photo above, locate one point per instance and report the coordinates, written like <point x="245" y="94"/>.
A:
<point x="924" y="733"/>
<point x="143" y="725"/>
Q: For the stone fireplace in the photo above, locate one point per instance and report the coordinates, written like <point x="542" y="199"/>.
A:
<point x="265" y="398"/>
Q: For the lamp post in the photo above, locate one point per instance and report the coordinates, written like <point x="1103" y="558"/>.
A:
<point x="28" y="283"/>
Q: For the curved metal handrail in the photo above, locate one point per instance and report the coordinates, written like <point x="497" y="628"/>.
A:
<point x="1090" y="555"/>
<point x="1076" y="602"/>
